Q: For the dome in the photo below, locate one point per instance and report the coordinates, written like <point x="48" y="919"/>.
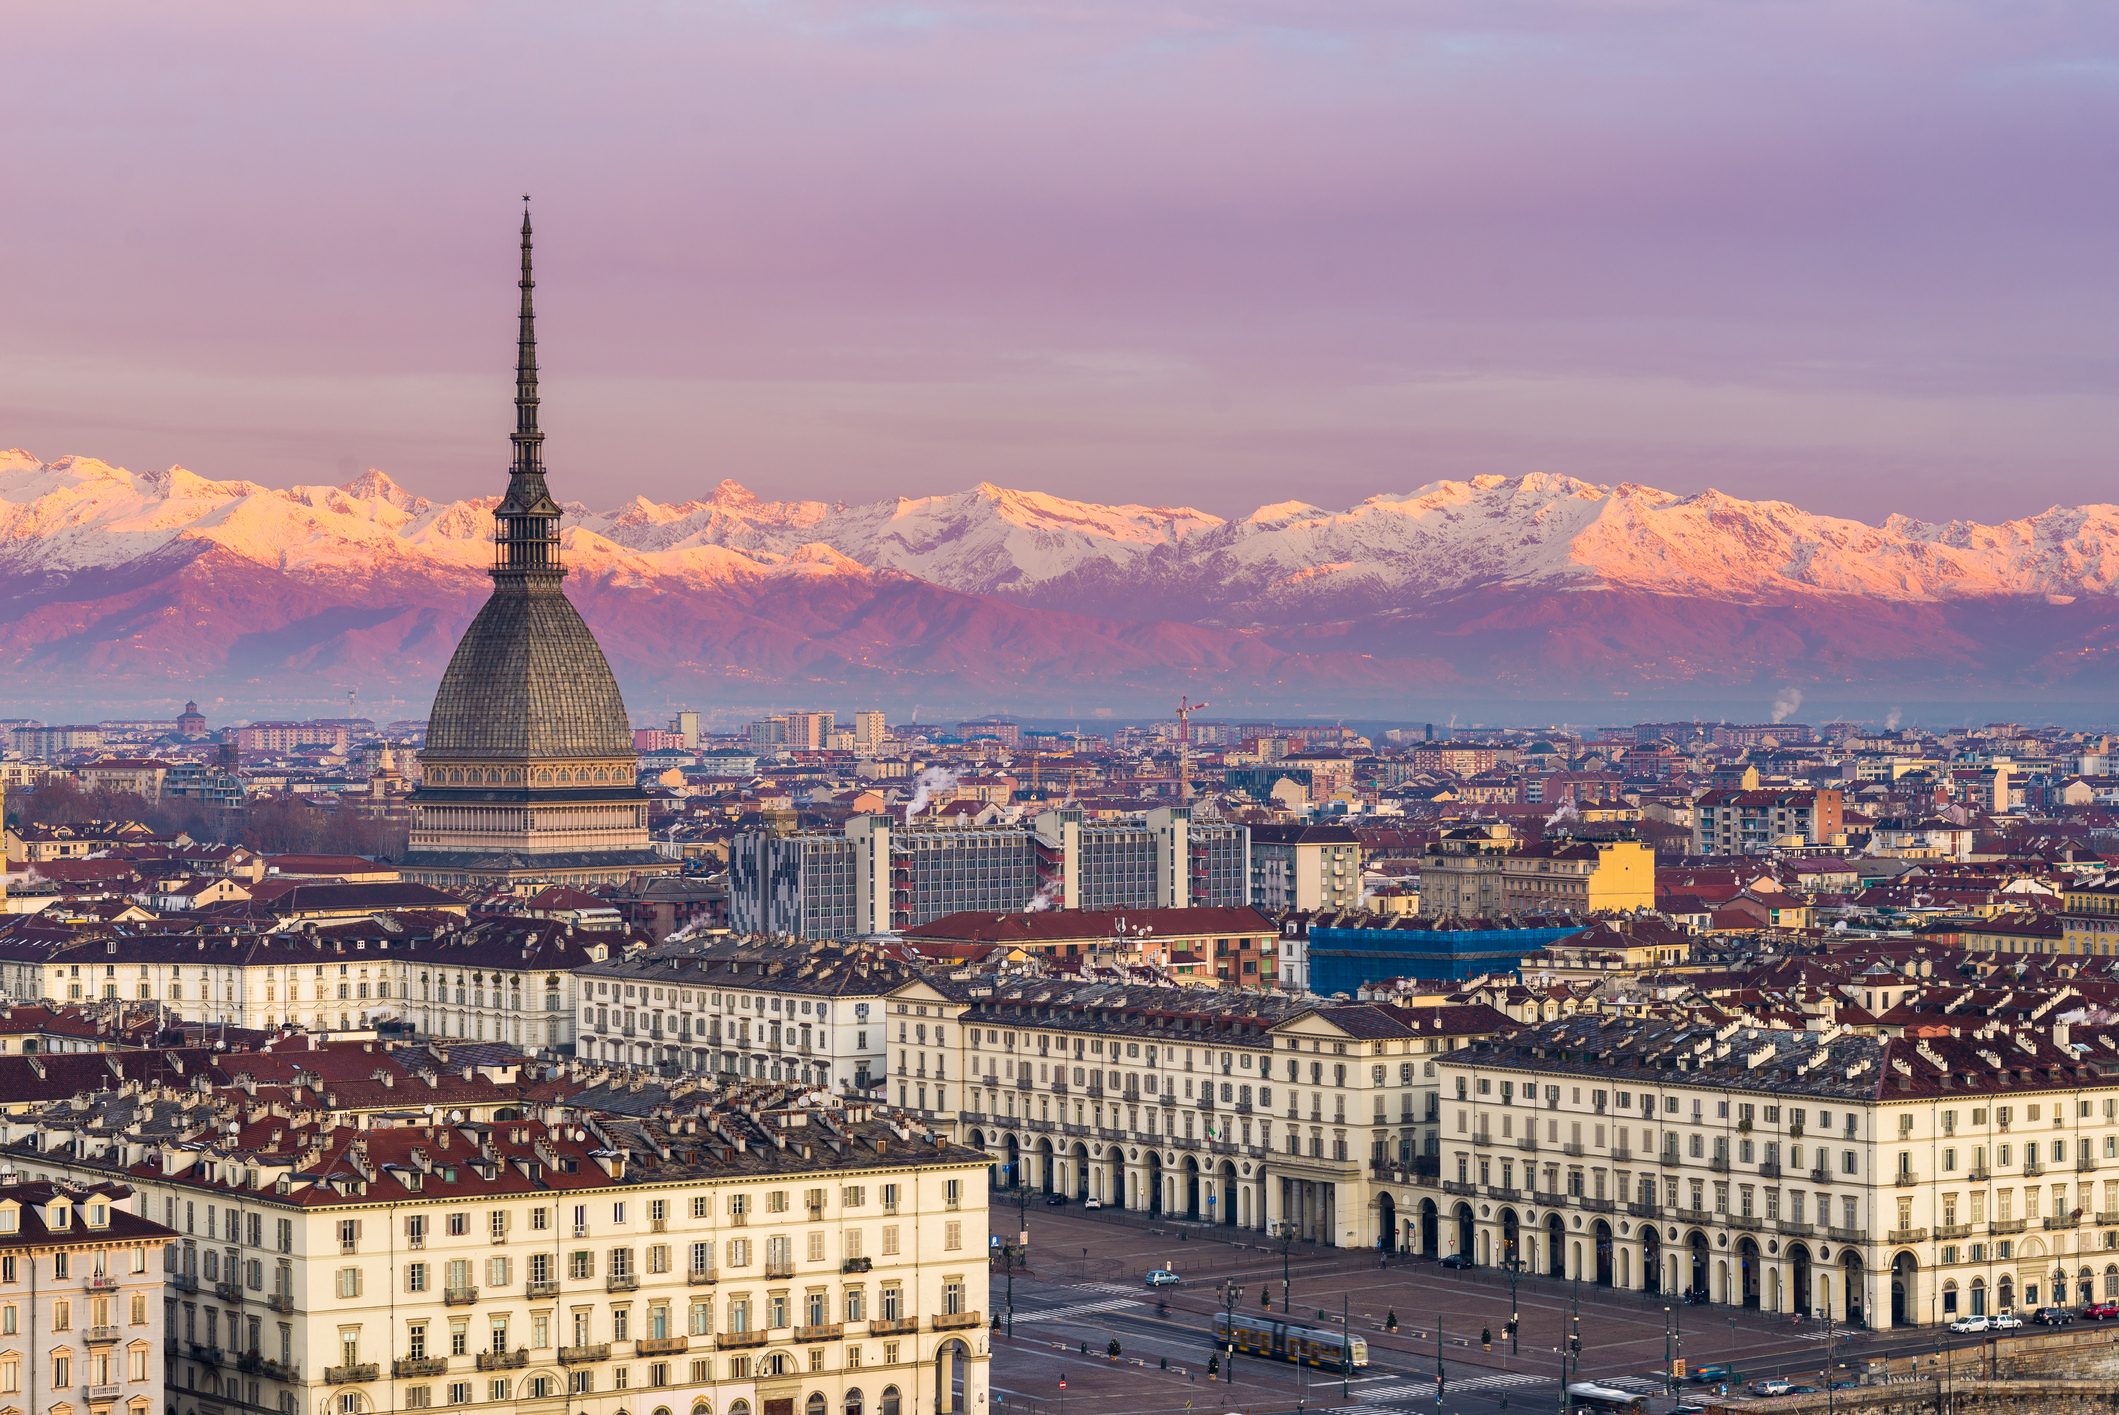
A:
<point x="528" y="681"/>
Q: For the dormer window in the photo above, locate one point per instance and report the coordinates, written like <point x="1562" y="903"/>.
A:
<point x="62" y="1215"/>
<point x="99" y="1215"/>
<point x="10" y="1218"/>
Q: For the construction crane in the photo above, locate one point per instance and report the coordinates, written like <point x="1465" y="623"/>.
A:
<point x="1185" y="708"/>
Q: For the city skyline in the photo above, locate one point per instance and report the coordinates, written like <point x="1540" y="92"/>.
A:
<point x="1115" y="254"/>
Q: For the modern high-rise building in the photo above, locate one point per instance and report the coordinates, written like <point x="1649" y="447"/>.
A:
<point x="686" y="725"/>
<point x="869" y="730"/>
<point x="810" y="731"/>
<point x="878" y="875"/>
<point x="1165" y="859"/>
<point x="528" y="769"/>
<point x="1305" y="867"/>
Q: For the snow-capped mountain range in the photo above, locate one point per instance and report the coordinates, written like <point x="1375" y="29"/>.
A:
<point x="1495" y="581"/>
<point x="1537" y="530"/>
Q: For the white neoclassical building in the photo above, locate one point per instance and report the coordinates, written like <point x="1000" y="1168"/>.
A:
<point x="1886" y="1182"/>
<point x="762" y="1252"/>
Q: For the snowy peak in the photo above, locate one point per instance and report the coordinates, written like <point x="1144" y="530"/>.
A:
<point x="1537" y="530"/>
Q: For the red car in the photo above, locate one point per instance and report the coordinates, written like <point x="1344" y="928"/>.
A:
<point x="2100" y="1311"/>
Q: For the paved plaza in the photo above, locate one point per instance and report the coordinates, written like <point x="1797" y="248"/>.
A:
<point x="1083" y="1289"/>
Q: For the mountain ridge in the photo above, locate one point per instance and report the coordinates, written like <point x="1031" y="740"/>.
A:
<point x="1497" y="584"/>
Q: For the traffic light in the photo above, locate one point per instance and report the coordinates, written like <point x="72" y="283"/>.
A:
<point x="1509" y="1330"/>
<point x="1486" y="1338"/>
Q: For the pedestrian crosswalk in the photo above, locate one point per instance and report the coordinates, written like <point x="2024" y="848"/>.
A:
<point x="1116" y="1289"/>
<point x="1378" y="1397"/>
<point x="1403" y="1390"/>
<point x="1077" y="1309"/>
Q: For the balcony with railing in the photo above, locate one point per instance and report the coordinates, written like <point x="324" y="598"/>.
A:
<point x="205" y="1355"/>
<point x="351" y="1375"/>
<point x="459" y="1296"/>
<point x="661" y="1346"/>
<point x="102" y="1336"/>
<point x="821" y="1331"/>
<point x="1846" y="1235"/>
<point x="1906" y="1235"/>
<point x="623" y="1282"/>
<point x="280" y="1301"/>
<point x="504" y="1360"/>
<point x="698" y="1277"/>
<point x="1953" y="1230"/>
<point x="226" y="1291"/>
<point x="2006" y="1225"/>
<point x="544" y="1287"/>
<point x="102" y="1394"/>
<point x="1905" y="1179"/>
<point x="780" y="1267"/>
<point x="407" y="1366"/>
<point x="892" y="1326"/>
<point x="2063" y="1221"/>
<point x="740" y="1339"/>
<point x="585" y="1355"/>
<point x="954" y="1321"/>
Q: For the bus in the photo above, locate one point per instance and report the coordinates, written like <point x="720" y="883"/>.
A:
<point x="1322" y="1347"/>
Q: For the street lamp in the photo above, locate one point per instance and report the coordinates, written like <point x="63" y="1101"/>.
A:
<point x="1231" y="1294"/>
<point x="1670" y="1372"/>
<point x="1286" y="1233"/>
<point x="1514" y="1266"/>
<point x="1012" y="1256"/>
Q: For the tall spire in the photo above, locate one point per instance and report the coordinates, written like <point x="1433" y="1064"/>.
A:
<point x="529" y="442"/>
<point x="526" y="523"/>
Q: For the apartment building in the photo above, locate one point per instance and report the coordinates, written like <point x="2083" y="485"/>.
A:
<point x="877" y="874"/>
<point x="1880" y="1182"/>
<point x="81" y="1311"/>
<point x="1758" y="822"/>
<point x="1298" y="866"/>
<point x="496" y="979"/>
<point x="1245" y="1109"/>
<point x="1486" y="872"/>
<point x="1165" y="858"/>
<point x="755" y="1254"/>
<point x="2089" y="920"/>
<point x="745" y="1008"/>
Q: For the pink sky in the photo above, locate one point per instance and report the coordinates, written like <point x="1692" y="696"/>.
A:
<point x="1855" y="253"/>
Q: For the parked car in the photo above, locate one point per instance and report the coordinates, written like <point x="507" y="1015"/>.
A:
<point x="1965" y="1325"/>
<point x="1092" y="1202"/>
<point x="1772" y="1385"/>
<point x="1800" y="1390"/>
<point x="2100" y="1311"/>
<point x="1053" y="1201"/>
<point x="2006" y="1321"/>
<point x="1843" y="1385"/>
<point x="1459" y="1260"/>
<point x="2052" y="1316"/>
<point x="1162" y="1277"/>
